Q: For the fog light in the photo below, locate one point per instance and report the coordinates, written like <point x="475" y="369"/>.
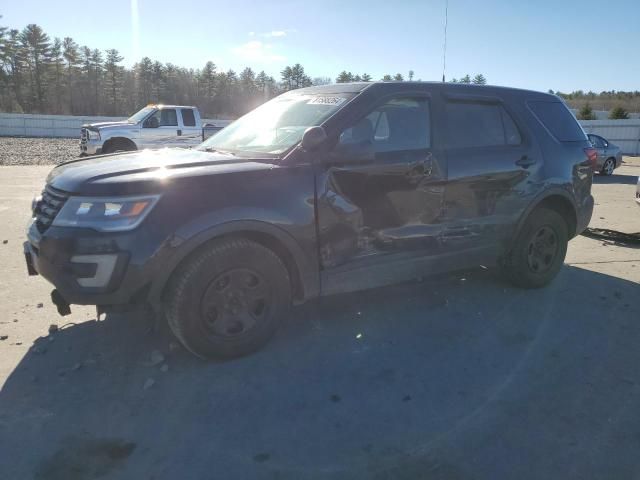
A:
<point x="104" y="266"/>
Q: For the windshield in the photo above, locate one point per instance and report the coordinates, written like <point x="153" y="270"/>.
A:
<point x="277" y="125"/>
<point x="141" y="115"/>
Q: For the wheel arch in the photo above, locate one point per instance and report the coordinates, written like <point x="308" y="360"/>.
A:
<point x="118" y="139"/>
<point x="304" y="278"/>
<point x="558" y="200"/>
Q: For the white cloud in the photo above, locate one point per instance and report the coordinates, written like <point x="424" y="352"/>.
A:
<point x="252" y="34"/>
<point x="276" y="33"/>
<point x="257" y="51"/>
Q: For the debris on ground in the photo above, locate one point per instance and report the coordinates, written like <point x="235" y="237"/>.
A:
<point x="148" y="383"/>
<point x="40" y="305"/>
<point x="4" y="337"/>
<point x="53" y="328"/>
<point x="164" y="368"/>
<point x="613" y="236"/>
<point x="5" y="242"/>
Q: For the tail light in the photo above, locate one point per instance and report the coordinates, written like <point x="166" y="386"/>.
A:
<point x="592" y="156"/>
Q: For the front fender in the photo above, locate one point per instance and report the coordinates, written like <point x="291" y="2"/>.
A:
<point x="204" y="229"/>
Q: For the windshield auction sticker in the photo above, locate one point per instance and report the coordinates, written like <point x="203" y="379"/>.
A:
<point x="333" y="101"/>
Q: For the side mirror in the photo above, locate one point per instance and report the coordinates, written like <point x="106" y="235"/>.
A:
<point x="151" y="122"/>
<point x="313" y="137"/>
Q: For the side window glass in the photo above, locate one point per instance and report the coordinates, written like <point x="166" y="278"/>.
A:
<point x="168" y="117"/>
<point x="188" y="118"/>
<point x="480" y="125"/>
<point x="511" y="133"/>
<point x="399" y="125"/>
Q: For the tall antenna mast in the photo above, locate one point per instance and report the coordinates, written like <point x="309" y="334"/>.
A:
<point x="444" y="47"/>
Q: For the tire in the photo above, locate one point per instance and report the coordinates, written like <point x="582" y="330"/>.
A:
<point x="608" y="167"/>
<point x="539" y="250"/>
<point x="228" y="299"/>
<point x="117" y="146"/>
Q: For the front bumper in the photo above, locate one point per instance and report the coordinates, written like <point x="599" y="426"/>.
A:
<point x="90" y="147"/>
<point x="91" y="268"/>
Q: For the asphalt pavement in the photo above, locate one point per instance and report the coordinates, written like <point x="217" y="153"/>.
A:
<point x="459" y="377"/>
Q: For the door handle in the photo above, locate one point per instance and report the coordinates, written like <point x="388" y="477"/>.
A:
<point x="525" y="161"/>
<point x="179" y="132"/>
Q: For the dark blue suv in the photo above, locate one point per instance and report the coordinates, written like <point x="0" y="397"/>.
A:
<point x="321" y="190"/>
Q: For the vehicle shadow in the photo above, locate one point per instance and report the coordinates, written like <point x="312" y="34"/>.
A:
<point x="616" y="178"/>
<point x="458" y="377"/>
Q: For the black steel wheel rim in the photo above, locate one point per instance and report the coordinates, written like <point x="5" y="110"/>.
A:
<point x="235" y="302"/>
<point x="542" y="249"/>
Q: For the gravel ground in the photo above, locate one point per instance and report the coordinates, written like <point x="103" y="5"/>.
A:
<point x="37" y="151"/>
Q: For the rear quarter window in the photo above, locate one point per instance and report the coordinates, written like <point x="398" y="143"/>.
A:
<point x="559" y="121"/>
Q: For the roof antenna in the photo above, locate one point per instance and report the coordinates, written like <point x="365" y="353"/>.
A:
<point x="444" y="47"/>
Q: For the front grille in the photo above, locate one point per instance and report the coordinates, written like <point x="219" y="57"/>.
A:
<point x="84" y="135"/>
<point x="47" y="208"/>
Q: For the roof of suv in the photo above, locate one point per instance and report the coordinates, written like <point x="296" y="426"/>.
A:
<point x="390" y="87"/>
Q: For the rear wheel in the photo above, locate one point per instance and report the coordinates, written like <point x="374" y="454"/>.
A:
<point x="228" y="299"/>
<point x="608" y="167"/>
<point x="539" y="250"/>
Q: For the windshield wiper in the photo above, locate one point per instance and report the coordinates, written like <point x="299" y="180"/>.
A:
<point x="215" y="150"/>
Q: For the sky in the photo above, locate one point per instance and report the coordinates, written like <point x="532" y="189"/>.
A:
<point x="561" y="45"/>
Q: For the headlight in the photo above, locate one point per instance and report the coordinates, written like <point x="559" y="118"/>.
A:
<point x="114" y="214"/>
<point x="93" y="135"/>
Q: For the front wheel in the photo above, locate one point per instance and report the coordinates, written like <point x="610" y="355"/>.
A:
<point x="539" y="250"/>
<point x="228" y="299"/>
<point x="608" y="167"/>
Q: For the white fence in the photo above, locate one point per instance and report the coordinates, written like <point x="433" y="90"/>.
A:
<point x="63" y="126"/>
<point x="624" y="133"/>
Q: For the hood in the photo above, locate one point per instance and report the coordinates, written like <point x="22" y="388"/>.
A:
<point x="146" y="171"/>
<point x="101" y="125"/>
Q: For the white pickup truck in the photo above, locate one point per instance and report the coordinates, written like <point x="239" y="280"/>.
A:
<point x="154" y="126"/>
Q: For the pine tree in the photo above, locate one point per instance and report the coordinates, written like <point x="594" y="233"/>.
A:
<point x="36" y="47"/>
<point x="57" y="70"/>
<point x="398" y="77"/>
<point x="70" y="54"/>
<point x="366" y="77"/>
<point x="479" y="80"/>
<point x="344" y="77"/>
<point x="299" y="78"/>
<point x="97" y="68"/>
<point x="618" y="113"/>
<point x="208" y="80"/>
<point x="411" y="74"/>
<point x="465" y="79"/>
<point x="15" y="66"/>
<point x="113" y="79"/>
<point x="286" y="75"/>
<point x="387" y="78"/>
<point x="143" y="76"/>
<point x="586" y="113"/>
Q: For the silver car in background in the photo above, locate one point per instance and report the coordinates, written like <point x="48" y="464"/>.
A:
<point x="609" y="155"/>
